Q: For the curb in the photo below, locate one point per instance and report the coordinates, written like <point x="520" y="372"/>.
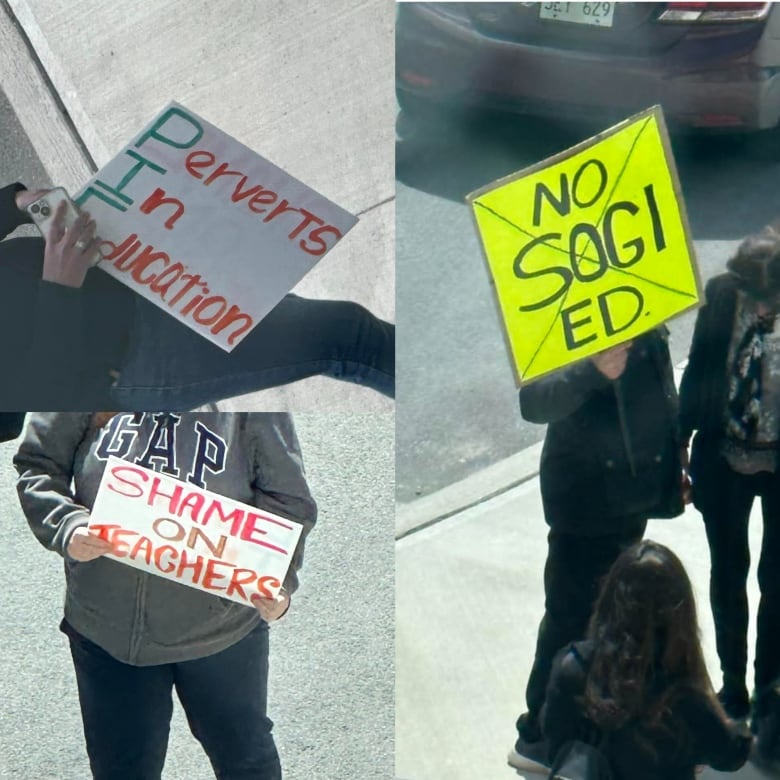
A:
<point x="473" y="490"/>
<point x="28" y="85"/>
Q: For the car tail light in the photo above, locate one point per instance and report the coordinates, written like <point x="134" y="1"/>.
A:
<point x="714" y="12"/>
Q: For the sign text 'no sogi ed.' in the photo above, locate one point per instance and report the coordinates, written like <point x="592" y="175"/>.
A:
<point x="588" y="248"/>
<point x="205" y="228"/>
<point x="192" y="536"/>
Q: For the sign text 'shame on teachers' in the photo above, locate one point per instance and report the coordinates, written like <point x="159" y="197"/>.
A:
<point x="589" y="248"/>
<point x="204" y="227"/>
<point x="192" y="536"/>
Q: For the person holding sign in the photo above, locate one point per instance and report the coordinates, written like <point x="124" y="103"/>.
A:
<point x="80" y="340"/>
<point x="730" y="395"/>
<point x="133" y="635"/>
<point x="637" y="689"/>
<point x="611" y="460"/>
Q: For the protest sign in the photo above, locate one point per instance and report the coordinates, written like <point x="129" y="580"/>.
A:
<point x="192" y="536"/>
<point x="588" y="248"/>
<point x="204" y="227"/>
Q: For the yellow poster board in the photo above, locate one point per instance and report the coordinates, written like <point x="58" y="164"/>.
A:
<point x="588" y="248"/>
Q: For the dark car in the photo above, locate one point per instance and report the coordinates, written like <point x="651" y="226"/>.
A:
<point x="710" y="65"/>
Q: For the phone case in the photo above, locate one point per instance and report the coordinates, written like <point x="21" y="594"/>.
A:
<point x="43" y="210"/>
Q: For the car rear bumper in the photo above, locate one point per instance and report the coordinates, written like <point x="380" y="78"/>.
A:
<point x="439" y="61"/>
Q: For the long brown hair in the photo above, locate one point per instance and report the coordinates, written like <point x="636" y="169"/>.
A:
<point x="646" y="640"/>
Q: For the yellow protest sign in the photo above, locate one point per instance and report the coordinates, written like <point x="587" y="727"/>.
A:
<point x="588" y="248"/>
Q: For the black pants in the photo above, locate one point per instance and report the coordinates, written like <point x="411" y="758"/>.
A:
<point x="725" y="499"/>
<point x="573" y="573"/>
<point x="127" y="710"/>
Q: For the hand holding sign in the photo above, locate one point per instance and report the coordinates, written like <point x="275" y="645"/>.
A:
<point x="272" y="609"/>
<point x="612" y="362"/>
<point x="86" y="545"/>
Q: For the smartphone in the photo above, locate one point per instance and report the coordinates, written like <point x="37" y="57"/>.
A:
<point x="43" y="210"/>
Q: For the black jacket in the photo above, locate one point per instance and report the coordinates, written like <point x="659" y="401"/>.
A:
<point x="703" y="391"/>
<point x="695" y="732"/>
<point x="57" y="344"/>
<point x="599" y="466"/>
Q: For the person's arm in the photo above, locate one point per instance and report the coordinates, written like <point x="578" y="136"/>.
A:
<point x="561" y="718"/>
<point x="718" y="742"/>
<point x="11" y="217"/>
<point x="561" y="393"/>
<point x="44" y="463"/>
<point x="279" y="480"/>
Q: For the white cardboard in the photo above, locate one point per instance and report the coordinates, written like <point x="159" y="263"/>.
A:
<point x="226" y="249"/>
<point x="131" y="506"/>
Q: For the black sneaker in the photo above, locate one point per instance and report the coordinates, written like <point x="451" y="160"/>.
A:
<point x="530" y="751"/>
<point x="735" y="701"/>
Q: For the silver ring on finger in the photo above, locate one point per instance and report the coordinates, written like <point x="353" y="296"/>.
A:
<point x="81" y="244"/>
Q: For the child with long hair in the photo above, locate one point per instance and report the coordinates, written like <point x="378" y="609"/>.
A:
<point x="638" y="687"/>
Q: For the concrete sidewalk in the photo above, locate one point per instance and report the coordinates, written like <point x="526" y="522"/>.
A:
<point x="469" y="599"/>
<point x="308" y="85"/>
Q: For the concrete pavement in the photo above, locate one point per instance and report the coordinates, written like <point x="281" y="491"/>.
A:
<point x="469" y="599"/>
<point x="308" y="85"/>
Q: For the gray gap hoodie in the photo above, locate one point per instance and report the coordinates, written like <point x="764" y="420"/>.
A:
<point x="136" y="617"/>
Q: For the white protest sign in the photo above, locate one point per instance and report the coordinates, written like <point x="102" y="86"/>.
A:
<point x="204" y="227"/>
<point x="179" y="531"/>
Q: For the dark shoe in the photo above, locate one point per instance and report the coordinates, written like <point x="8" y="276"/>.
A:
<point x="735" y="701"/>
<point x="530" y="750"/>
<point x="767" y="752"/>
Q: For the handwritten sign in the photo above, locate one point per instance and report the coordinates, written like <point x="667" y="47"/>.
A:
<point x="205" y="228"/>
<point x="179" y="531"/>
<point x="589" y="248"/>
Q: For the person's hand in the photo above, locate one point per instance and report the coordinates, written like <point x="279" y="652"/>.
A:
<point x="86" y="545"/>
<point x="612" y="362"/>
<point x="272" y="609"/>
<point x="70" y="252"/>
<point x="25" y="197"/>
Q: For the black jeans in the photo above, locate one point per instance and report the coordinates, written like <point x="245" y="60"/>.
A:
<point x="725" y="499"/>
<point x="573" y="573"/>
<point x="127" y="710"/>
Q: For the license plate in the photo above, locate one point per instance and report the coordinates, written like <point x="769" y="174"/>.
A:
<point x="598" y="14"/>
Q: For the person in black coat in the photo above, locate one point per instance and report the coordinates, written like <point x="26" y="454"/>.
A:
<point x="611" y="460"/>
<point x="637" y="688"/>
<point x="730" y="395"/>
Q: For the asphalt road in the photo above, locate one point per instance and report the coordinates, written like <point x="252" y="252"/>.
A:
<point x="457" y="401"/>
<point x="332" y="658"/>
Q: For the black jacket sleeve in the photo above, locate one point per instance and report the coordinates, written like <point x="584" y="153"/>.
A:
<point x="717" y="742"/>
<point x="557" y="395"/>
<point x="10" y="216"/>
<point x="49" y="374"/>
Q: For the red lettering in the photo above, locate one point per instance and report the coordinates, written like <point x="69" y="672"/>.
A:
<point x="169" y="566"/>
<point x="142" y="545"/>
<point x="194" y="502"/>
<point x="174" y="272"/>
<point x="270" y="581"/>
<point x="234" y="314"/>
<point x="198" y="316"/>
<point x="143" y="261"/>
<point x="185" y="564"/>
<point x="105" y="531"/>
<point x="320" y="246"/>
<point x="308" y="218"/>
<point x="249" y="529"/>
<point x="157" y="199"/>
<point x="211" y="575"/>
<point x="266" y="197"/>
<point x="118" y="471"/>
<point x="240" y="577"/>
<point x="204" y="160"/>
<point x="120" y="547"/>
<point x="222" y="170"/>
<point x="173" y="498"/>
<point x="120" y="252"/>
<point x="235" y="518"/>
